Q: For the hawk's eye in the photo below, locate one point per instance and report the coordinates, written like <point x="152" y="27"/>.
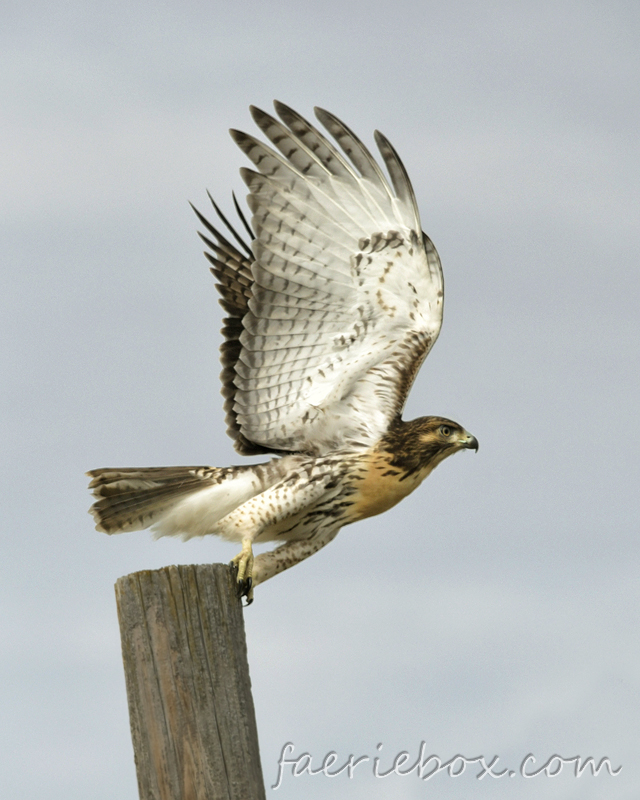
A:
<point x="445" y="430"/>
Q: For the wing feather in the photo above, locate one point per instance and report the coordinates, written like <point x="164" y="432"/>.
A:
<point x="262" y="295"/>
<point x="322" y="161"/>
<point x="246" y="367"/>
<point x="268" y="199"/>
<point x="315" y="141"/>
<point x="332" y="316"/>
<point x="360" y="156"/>
<point x="234" y="281"/>
<point x="398" y="174"/>
<point x="262" y="327"/>
<point x="293" y="263"/>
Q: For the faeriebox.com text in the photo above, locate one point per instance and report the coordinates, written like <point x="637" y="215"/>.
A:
<point x="426" y="766"/>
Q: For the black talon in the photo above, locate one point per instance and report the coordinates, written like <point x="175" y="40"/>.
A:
<point x="244" y="585"/>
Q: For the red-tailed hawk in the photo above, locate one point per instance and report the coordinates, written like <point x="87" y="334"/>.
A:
<point x="331" y="311"/>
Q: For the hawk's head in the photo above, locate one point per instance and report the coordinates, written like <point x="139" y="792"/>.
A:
<point x="438" y="433"/>
<point x="425" y="442"/>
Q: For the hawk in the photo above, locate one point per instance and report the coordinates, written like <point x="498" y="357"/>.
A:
<point x="332" y="309"/>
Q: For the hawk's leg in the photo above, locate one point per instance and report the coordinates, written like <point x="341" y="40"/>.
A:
<point x="266" y="565"/>
<point x="280" y="502"/>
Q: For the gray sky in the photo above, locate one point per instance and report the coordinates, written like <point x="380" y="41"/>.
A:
<point x="494" y="612"/>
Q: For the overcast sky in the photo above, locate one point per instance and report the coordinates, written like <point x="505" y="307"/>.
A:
<point x="496" y="611"/>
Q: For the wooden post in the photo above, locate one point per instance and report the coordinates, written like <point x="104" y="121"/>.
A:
<point x="190" y="706"/>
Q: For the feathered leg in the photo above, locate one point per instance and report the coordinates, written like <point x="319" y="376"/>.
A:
<point x="266" y="513"/>
<point x="266" y="565"/>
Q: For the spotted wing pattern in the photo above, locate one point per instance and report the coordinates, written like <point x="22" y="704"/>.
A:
<point x="344" y="296"/>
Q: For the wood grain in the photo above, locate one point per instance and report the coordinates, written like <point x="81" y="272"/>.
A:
<point x="187" y="675"/>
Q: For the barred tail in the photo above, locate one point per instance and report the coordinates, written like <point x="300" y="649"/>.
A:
<point x="185" y="501"/>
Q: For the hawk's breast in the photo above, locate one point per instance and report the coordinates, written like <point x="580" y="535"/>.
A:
<point x="378" y="485"/>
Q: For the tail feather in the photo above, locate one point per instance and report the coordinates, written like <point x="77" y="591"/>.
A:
<point x="172" y="500"/>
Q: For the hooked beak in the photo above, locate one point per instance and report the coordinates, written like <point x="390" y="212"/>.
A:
<point x="469" y="442"/>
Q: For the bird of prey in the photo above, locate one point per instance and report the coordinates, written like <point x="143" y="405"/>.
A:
<point x="331" y="310"/>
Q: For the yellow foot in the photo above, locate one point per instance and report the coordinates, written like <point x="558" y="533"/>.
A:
<point x="243" y="562"/>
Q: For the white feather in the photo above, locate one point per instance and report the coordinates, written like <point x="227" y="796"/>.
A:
<point x="345" y="287"/>
<point x="197" y="513"/>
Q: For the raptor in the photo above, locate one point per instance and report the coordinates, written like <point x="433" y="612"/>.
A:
<point x="331" y="309"/>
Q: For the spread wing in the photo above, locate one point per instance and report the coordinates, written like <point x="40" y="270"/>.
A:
<point x="332" y="316"/>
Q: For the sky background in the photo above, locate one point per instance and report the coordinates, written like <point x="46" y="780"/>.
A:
<point x="494" y="612"/>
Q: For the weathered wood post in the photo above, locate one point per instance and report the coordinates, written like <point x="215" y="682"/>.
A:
<point x="190" y="706"/>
